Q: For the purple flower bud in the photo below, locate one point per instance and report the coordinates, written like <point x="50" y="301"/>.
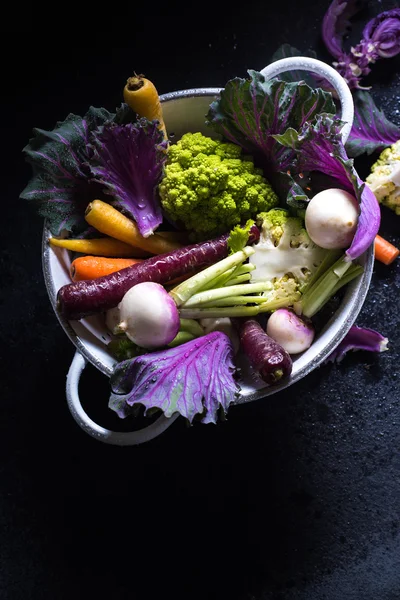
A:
<point x="383" y="32"/>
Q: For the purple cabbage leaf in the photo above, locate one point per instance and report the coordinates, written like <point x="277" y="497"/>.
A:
<point x="319" y="147"/>
<point x="194" y="379"/>
<point x="60" y="187"/>
<point x="359" y="338"/>
<point x="249" y="112"/>
<point x="128" y="161"/>
<point x="371" y="130"/>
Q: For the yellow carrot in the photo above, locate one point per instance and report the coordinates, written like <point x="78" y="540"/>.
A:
<point x="110" y="221"/>
<point x="99" y="247"/>
<point x="142" y="97"/>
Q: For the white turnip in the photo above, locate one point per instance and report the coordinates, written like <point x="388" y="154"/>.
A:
<point x="149" y="316"/>
<point x="290" y="331"/>
<point x="331" y="218"/>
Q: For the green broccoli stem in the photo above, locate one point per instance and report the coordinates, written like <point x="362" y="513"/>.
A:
<point x="215" y="313"/>
<point x="234" y="301"/>
<point x="233" y="290"/>
<point x="191" y="286"/>
<point x="316" y="296"/>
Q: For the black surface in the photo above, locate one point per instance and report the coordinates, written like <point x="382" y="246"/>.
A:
<point x="292" y="498"/>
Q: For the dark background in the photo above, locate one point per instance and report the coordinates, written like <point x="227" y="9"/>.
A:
<point x="295" y="497"/>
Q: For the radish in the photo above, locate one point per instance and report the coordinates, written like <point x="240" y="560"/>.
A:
<point x="149" y="316"/>
<point x="331" y="218"/>
<point x="290" y="331"/>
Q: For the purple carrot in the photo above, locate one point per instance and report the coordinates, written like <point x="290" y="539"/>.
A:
<point x="84" y="298"/>
<point x="268" y="358"/>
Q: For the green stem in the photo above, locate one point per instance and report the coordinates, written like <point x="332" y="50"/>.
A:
<point x="323" y="289"/>
<point x="351" y="274"/>
<point x="181" y="338"/>
<point x="215" y="313"/>
<point x="238" y="279"/>
<point x="245" y="268"/>
<point x="218" y="281"/>
<point x="331" y="256"/>
<point x="281" y="303"/>
<point x="224" y="292"/>
<point x="191" y="326"/>
<point x="188" y="288"/>
<point x="234" y="301"/>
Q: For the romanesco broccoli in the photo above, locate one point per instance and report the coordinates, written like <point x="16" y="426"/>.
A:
<point x="209" y="186"/>
<point x="285" y="256"/>
<point x="384" y="179"/>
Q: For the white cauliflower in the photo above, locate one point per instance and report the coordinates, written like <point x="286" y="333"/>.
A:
<point x="384" y="179"/>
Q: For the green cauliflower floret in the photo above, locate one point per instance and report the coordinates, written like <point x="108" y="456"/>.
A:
<point x="209" y="186"/>
<point x="384" y="179"/>
<point x="285" y="256"/>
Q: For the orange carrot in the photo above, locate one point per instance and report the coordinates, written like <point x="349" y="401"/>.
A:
<point x="106" y="246"/>
<point x="142" y="97"/>
<point x="92" y="267"/>
<point x="107" y="219"/>
<point x="385" y="252"/>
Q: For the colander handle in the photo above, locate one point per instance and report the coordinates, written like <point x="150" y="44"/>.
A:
<point x="117" y="438"/>
<point x="305" y="63"/>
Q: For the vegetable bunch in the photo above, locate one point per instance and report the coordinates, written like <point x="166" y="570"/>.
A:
<point x="269" y="244"/>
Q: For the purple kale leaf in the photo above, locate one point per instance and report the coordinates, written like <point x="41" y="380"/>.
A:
<point x="60" y="187"/>
<point x="336" y="24"/>
<point x="249" y="112"/>
<point x="371" y="130"/>
<point x="359" y="338"/>
<point x="195" y="378"/>
<point x="319" y="147"/>
<point x="128" y="161"/>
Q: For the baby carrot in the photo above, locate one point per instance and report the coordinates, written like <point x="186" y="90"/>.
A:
<point x="142" y="97"/>
<point x="385" y="252"/>
<point x="99" y="247"/>
<point x="107" y="219"/>
<point x="92" y="267"/>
